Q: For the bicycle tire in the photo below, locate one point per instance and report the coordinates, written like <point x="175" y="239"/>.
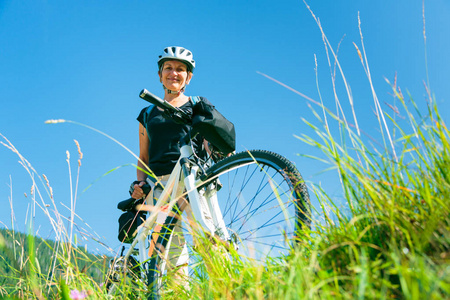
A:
<point x="264" y="201"/>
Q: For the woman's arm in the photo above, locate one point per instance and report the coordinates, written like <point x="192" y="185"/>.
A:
<point x="144" y="144"/>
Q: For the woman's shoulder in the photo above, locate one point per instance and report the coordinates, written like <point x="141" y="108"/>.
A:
<point x="147" y="110"/>
<point x="197" y="99"/>
<point x="144" y="114"/>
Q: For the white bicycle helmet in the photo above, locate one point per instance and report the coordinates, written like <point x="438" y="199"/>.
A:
<point x="177" y="53"/>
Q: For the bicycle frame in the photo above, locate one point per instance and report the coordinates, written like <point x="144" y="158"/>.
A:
<point x="183" y="180"/>
<point x="181" y="174"/>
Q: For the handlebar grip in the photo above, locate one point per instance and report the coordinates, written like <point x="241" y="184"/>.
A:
<point x="153" y="99"/>
<point x="163" y="104"/>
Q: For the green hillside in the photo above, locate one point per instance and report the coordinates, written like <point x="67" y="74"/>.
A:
<point x="49" y="262"/>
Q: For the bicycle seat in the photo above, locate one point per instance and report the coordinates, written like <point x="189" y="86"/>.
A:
<point x="128" y="204"/>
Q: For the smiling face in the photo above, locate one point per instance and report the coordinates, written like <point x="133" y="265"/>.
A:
<point x="174" y="75"/>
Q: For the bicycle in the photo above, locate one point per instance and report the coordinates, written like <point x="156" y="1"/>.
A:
<point x="255" y="202"/>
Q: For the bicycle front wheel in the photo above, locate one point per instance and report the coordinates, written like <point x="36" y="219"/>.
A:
<point x="264" y="202"/>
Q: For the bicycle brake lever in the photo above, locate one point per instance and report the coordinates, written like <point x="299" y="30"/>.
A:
<point x="130" y="203"/>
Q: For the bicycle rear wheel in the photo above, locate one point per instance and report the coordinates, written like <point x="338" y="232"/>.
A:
<point x="264" y="202"/>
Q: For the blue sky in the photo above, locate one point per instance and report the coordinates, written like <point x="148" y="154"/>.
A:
<point x="87" y="61"/>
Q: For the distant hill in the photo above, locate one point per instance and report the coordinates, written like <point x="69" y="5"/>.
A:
<point x="15" y="263"/>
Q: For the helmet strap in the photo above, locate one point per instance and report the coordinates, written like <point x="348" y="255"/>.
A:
<point x="174" y="92"/>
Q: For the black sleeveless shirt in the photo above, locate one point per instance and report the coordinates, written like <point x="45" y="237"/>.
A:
<point x="164" y="135"/>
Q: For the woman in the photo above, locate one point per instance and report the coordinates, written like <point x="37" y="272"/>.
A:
<point x="175" y="70"/>
<point x="159" y="136"/>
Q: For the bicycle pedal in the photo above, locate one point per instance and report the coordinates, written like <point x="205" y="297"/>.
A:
<point x="233" y="240"/>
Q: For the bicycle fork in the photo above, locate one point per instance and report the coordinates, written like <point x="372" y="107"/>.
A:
<point x="204" y="204"/>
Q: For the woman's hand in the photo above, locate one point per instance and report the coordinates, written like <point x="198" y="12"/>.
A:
<point x="137" y="191"/>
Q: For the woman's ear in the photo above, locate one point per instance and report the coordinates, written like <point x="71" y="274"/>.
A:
<point x="189" y="77"/>
<point x="159" y="74"/>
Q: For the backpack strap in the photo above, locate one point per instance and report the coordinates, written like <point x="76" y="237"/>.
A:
<point x="194" y="99"/>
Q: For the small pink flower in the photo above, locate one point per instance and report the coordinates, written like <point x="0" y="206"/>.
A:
<point x="77" y="295"/>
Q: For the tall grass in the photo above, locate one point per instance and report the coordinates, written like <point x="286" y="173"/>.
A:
<point x="388" y="239"/>
<point x="393" y="241"/>
<point x="35" y="268"/>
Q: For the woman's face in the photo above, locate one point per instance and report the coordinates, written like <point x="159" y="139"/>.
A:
<point x="174" y="75"/>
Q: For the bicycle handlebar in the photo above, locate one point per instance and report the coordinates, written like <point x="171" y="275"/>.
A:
<point x="163" y="104"/>
<point x="175" y="113"/>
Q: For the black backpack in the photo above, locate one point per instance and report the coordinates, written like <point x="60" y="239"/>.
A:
<point x="212" y="125"/>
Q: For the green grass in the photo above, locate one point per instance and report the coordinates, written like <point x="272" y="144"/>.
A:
<point x="392" y="240"/>
<point x="34" y="268"/>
